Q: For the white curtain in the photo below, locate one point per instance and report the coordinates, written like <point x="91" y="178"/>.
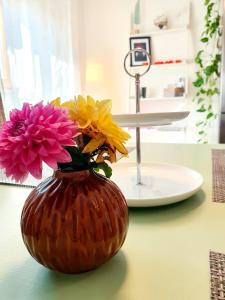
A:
<point x="36" y="51"/>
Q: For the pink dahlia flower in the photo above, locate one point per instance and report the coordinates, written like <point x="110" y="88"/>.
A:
<point x="34" y="135"/>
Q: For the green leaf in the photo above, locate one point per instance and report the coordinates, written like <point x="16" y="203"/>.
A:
<point x="216" y="91"/>
<point x="209" y="70"/>
<point x="202" y="91"/>
<point x="198" y="61"/>
<point x="201" y="132"/>
<point x="199" y="53"/>
<point x="80" y="161"/>
<point x="200" y="100"/>
<point x="217" y="73"/>
<point x="211" y="92"/>
<point x="105" y="168"/>
<point x="204" y="40"/>
<point x="199" y="123"/>
<point x="212" y="82"/>
<point x="201" y="109"/>
<point x="209" y="8"/>
<point x="210" y="115"/>
<point x="198" y="82"/>
<point x="218" y="57"/>
<point x="206" y="2"/>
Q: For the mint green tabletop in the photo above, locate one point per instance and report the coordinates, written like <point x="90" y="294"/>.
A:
<point x="165" y="255"/>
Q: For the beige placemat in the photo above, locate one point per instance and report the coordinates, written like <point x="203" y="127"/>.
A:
<point x="218" y="169"/>
<point x="217" y="275"/>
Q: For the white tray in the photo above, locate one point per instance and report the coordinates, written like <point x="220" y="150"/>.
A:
<point x="149" y="119"/>
<point x="162" y="183"/>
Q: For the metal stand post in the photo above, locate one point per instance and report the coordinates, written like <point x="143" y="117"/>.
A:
<point x="137" y="94"/>
<point x="138" y="129"/>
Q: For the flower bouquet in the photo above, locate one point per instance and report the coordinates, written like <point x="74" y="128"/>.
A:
<point x="72" y="136"/>
<point x="76" y="219"/>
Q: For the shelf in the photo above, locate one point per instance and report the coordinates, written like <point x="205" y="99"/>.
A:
<point x="161" y="75"/>
<point x="160" y="32"/>
<point x="183" y="63"/>
<point x="160" y="98"/>
<point x="171" y="65"/>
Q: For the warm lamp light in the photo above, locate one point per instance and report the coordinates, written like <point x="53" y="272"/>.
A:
<point x="94" y="73"/>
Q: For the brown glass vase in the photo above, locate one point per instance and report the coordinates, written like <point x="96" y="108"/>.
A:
<point x="74" y="222"/>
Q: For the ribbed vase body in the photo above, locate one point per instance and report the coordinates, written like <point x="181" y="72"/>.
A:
<point x="74" y="222"/>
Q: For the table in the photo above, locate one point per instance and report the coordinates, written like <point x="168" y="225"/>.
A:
<point x="165" y="255"/>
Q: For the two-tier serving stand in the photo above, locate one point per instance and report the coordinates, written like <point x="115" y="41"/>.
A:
<point x="144" y="183"/>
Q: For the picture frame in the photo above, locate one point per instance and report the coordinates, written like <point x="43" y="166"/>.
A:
<point x="139" y="58"/>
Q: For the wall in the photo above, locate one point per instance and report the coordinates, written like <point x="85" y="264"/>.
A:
<point x="77" y="38"/>
<point x="105" y="31"/>
<point x="105" y="27"/>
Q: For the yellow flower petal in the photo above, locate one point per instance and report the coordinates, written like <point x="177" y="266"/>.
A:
<point x="104" y="105"/>
<point x="69" y="104"/>
<point x="56" y="102"/>
<point x="93" y="144"/>
<point x="118" y="145"/>
<point x="90" y="101"/>
<point x="95" y="120"/>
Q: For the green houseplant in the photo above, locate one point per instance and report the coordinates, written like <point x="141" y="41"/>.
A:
<point x="208" y="61"/>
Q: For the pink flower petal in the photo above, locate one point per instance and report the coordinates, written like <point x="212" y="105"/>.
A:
<point x="51" y="162"/>
<point x="34" y="135"/>
<point x="35" y="168"/>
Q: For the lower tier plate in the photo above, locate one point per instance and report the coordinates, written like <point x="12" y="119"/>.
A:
<point x="162" y="183"/>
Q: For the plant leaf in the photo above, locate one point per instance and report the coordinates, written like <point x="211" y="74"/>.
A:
<point x="200" y="100"/>
<point x="199" y="123"/>
<point x="201" y="132"/>
<point x="198" y="82"/>
<point x="201" y="109"/>
<point x="210" y="115"/>
<point x="209" y="70"/>
<point x="204" y="40"/>
<point x="105" y="168"/>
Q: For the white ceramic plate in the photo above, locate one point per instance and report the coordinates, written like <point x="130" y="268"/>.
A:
<point x="162" y="183"/>
<point x="149" y="119"/>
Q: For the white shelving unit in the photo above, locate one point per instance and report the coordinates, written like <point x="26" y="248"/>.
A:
<point x="159" y="75"/>
<point x="162" y="31"/>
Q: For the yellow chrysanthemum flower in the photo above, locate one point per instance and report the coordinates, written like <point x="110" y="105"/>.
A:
<point x="95" y="120"/>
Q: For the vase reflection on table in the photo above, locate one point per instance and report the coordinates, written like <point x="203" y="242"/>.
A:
<point x="76" y="219"/>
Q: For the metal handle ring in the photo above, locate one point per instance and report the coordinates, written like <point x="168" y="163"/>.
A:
<point x="133" y="51"/>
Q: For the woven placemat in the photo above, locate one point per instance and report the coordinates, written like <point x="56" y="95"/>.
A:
<point x="217" y="275"/>
<point x="218" y="168"/>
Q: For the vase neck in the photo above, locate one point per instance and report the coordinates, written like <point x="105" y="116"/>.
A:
<point x="77" y="175"/>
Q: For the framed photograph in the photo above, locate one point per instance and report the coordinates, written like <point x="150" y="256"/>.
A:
<point x="139" y="58"/>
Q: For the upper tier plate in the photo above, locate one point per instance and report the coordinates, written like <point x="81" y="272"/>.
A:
<point x="149" y="119"/>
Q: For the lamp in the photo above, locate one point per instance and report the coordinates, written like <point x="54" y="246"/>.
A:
<point x="94" y="73"/>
